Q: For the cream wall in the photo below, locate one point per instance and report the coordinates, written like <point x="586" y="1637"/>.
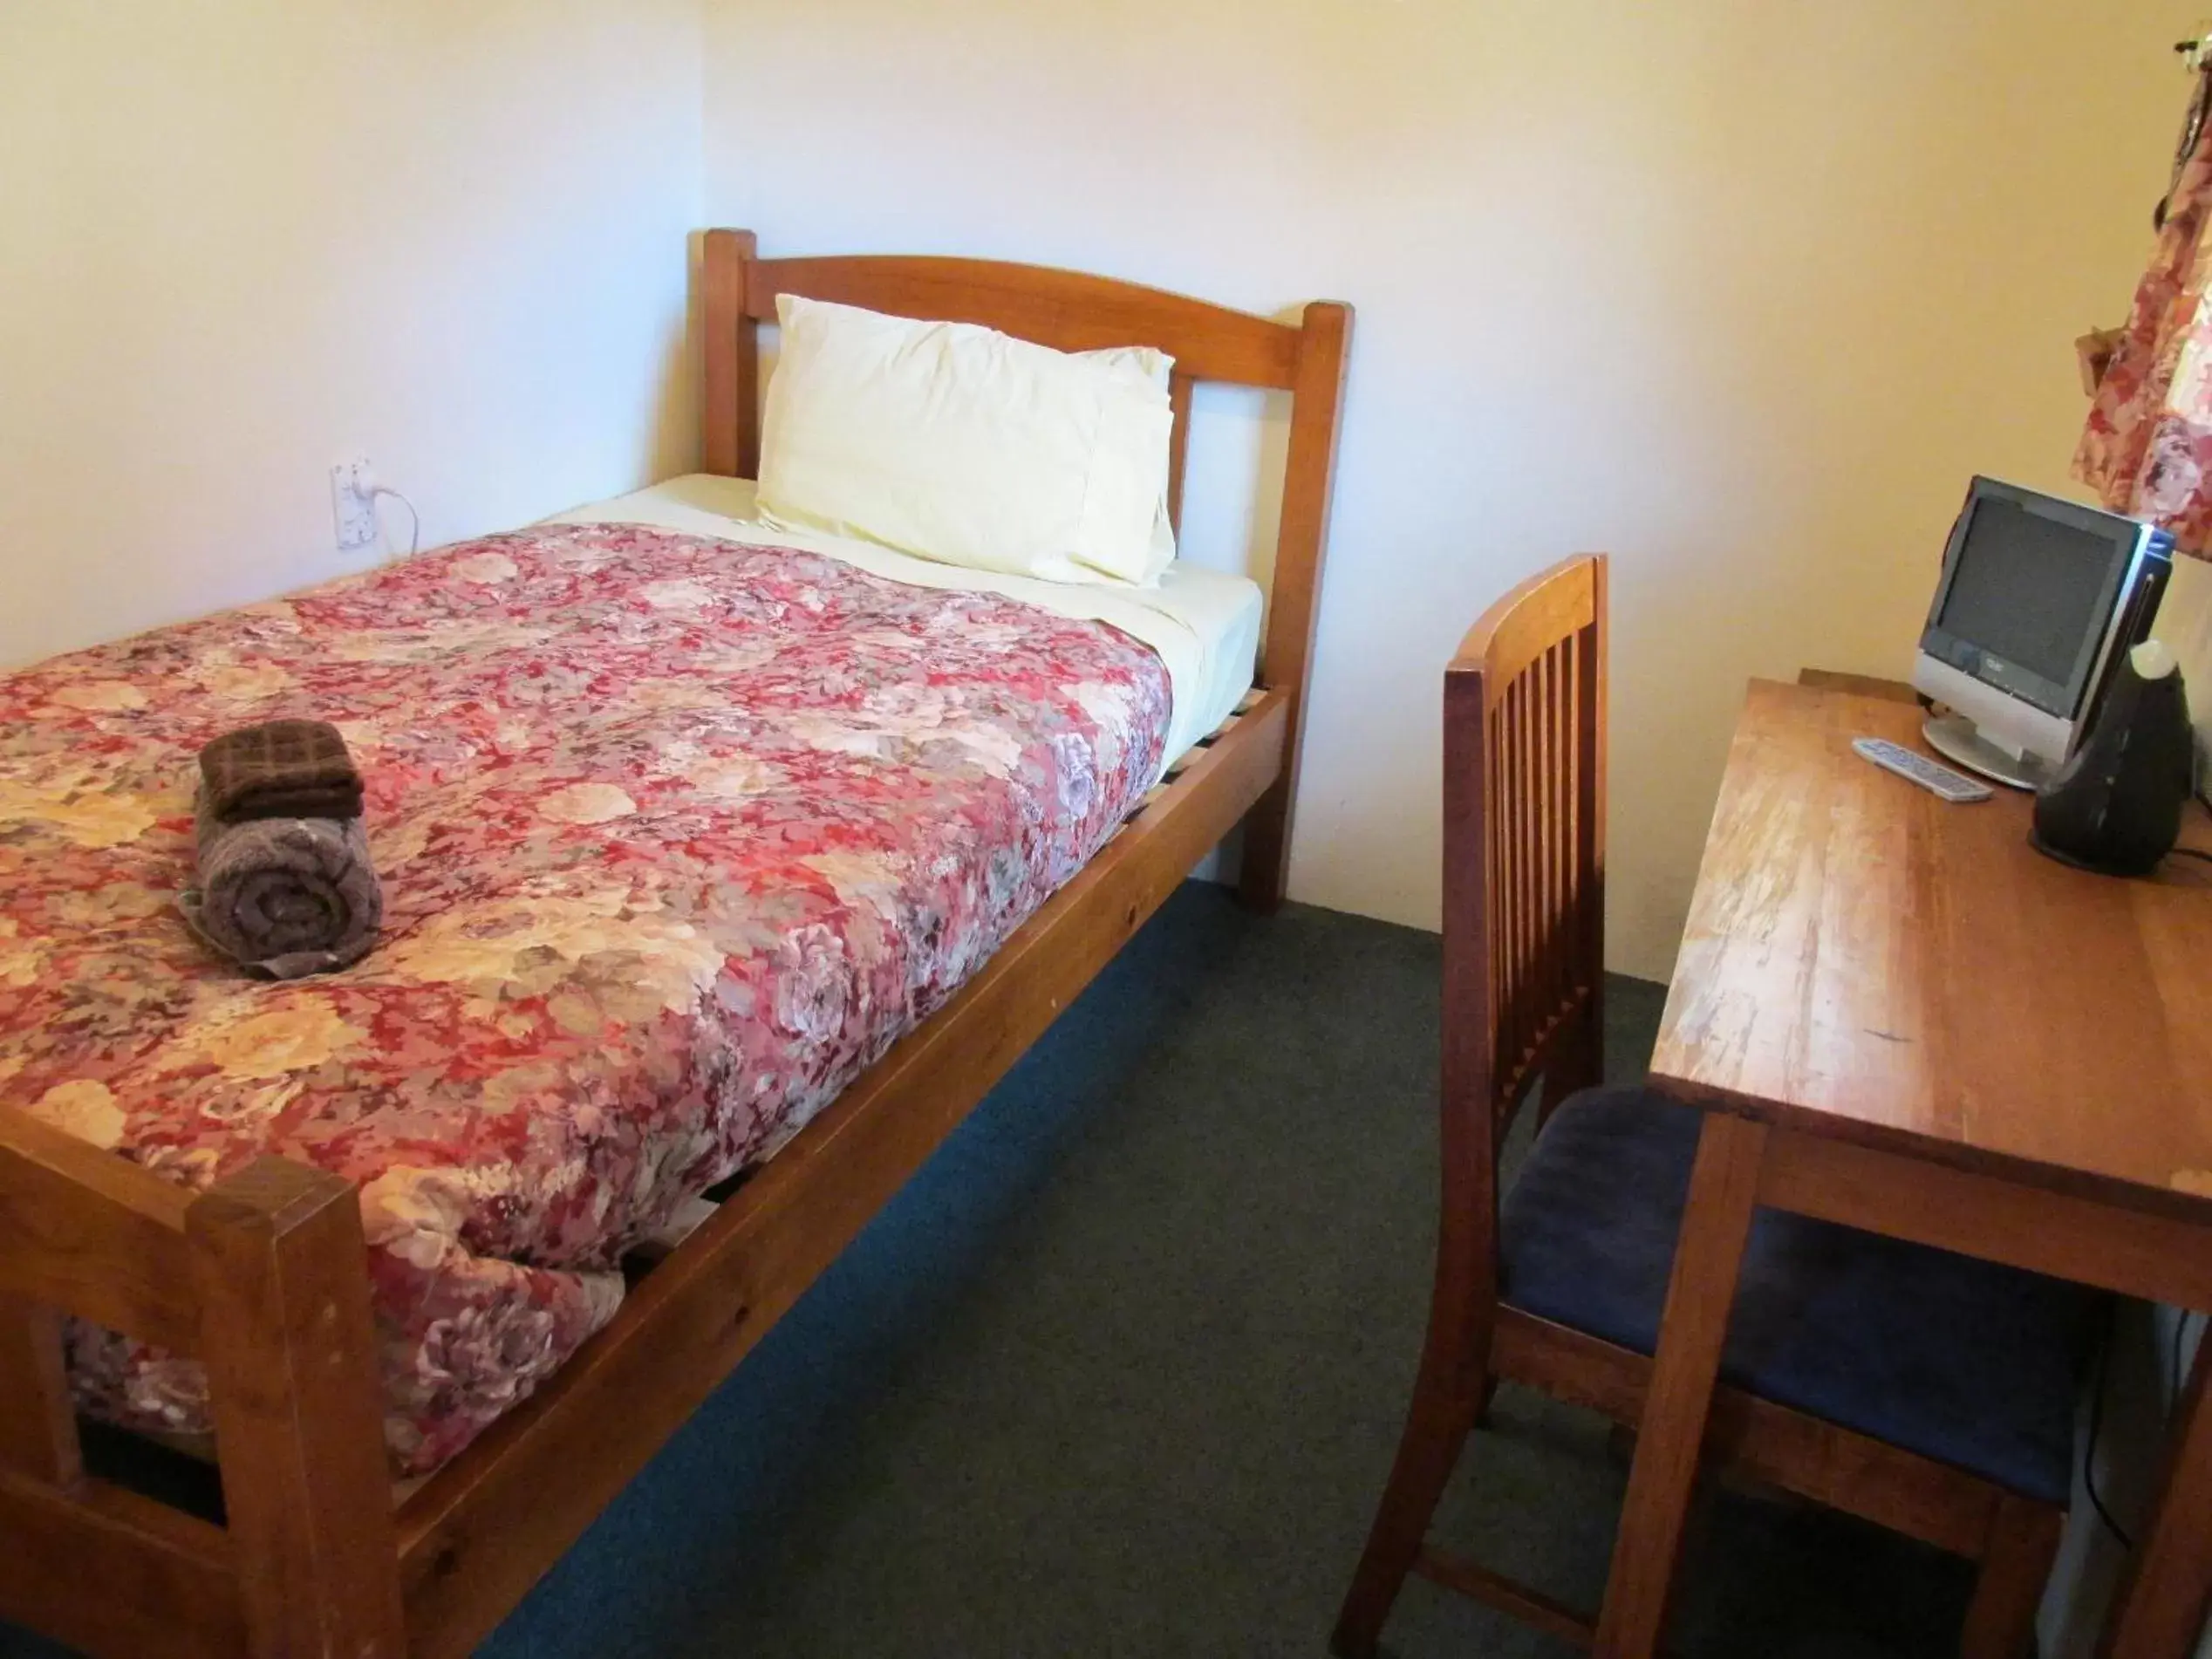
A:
<point x="241" y="237"/>
<point x="1740" y="290"/>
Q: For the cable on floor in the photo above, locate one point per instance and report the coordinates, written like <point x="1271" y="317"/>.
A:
<point x="2097" y="1424"/>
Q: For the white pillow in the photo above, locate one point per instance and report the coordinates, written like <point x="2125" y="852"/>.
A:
<point x="968" y="446"/>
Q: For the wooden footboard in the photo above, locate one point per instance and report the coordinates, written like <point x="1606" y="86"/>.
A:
<point x="263" y="1280"/>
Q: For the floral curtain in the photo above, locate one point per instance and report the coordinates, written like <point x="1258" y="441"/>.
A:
<point x="2148" y="449"/>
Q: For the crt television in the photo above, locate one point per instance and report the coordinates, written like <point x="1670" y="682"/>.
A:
<point x="2039" y="599"/>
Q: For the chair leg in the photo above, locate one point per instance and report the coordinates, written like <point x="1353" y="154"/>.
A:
<point x="1488" y="1397"/>
<point x="2000" y="1620"/>
<point x="1451" y="1395"/>
<point x="1436" y="1432"/>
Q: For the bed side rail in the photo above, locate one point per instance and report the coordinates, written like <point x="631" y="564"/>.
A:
<point x="263" y="1278"/>
<point x="480" y="1532"/>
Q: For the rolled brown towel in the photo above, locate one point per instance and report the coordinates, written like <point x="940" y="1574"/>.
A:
<point x="285" y="896"/>
<point x="279" y="770"/>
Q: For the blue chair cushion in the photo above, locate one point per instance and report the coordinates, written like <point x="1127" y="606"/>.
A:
<point x="1967" y="1362"/>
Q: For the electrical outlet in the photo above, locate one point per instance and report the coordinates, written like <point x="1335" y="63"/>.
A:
<point x="353" y="504"/>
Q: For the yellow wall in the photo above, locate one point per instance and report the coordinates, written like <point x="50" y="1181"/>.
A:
<point x="1741" y="290"/>
<point x="241" y="237"/>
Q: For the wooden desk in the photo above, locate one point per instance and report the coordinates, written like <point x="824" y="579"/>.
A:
<point x="1900" y="1016"/>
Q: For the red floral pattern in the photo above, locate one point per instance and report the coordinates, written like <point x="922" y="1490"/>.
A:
<point x="2147" y="447"/>
<point x="677" y="836"/>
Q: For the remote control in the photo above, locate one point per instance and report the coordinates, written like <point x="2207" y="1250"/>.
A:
<point x="1910" y="763"/>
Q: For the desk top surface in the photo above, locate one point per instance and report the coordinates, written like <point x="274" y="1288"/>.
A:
<point x="1864" y="960"/>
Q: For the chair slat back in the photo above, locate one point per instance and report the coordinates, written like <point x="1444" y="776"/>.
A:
<point x="1523" y="919"/>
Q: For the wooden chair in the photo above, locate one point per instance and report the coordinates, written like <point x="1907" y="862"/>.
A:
<point x="1922" y="1391"/>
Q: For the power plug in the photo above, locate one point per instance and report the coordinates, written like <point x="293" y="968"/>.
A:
<point x="353" y="503"/>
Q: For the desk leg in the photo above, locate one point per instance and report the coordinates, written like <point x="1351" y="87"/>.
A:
<point x="2159" y="1612"/>
<point x="1716" y="1221"/>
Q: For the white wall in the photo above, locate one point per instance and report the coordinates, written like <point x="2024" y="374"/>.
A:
<point x="1740" y="290"/>
<point x="240" y="236"/>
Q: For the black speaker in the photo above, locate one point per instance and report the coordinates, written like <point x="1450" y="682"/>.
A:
<point x="2115" y="806"/>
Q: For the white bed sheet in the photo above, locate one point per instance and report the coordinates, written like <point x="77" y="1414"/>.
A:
<point x="1205" y="623"/>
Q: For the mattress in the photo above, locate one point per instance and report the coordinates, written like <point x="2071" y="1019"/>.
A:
<point x="679" y="835"/>
<point x="1204" y="624"/>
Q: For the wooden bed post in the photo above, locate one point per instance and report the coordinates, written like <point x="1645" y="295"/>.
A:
<point x="729" y="390"/>
<point x="38" y="1428"/>
<point x="290" y="1351"/>
<point x="1300" y="544"/>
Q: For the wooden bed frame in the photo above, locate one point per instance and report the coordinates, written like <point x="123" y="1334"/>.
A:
<point x="263" y="1277"/>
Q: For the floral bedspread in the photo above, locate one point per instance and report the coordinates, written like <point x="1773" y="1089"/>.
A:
<point x="678" y="835"/>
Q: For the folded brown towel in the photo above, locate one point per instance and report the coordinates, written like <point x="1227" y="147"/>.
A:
<point x="279" y="770"/>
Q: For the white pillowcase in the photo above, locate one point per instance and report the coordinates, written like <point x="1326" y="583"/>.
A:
<point x="968" y="446"/>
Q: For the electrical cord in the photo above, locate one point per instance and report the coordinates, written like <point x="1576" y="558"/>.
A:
<point x="2180" y="1348"/>
<point x="2097" y="1407"/>
<point x="2192" y="852"/>
<point x="415" y="519"/>
<point x="2096" y="1427"/>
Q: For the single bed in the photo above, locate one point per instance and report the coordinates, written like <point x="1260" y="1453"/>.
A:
<point x="714" y="854"/>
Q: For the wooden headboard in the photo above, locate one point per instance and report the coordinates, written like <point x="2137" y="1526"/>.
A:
<point x="1070" y="311"/>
